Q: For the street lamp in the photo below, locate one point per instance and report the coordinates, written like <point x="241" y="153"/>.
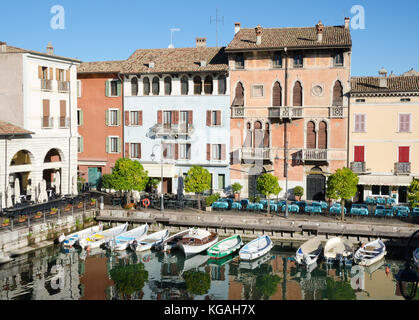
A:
<point x="153" y="156"/>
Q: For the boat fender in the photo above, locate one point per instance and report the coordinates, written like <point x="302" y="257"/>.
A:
<point x="387" y="270"/>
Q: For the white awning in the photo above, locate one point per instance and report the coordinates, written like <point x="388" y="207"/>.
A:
<point x="370" y="180"/>
<point x="154" y="170"/>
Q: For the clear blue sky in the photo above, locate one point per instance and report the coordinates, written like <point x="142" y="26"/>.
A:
<point x="112" y="30"/>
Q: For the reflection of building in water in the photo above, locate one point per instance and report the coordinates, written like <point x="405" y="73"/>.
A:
<point x="219" y="282"/>
<point x="42" y="278"/>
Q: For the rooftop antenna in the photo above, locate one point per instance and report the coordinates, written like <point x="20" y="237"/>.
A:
<point x="216" y="24"/>
<point x="171" y="36"/>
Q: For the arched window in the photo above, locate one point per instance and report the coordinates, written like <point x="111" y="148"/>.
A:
<point x="277" y="95"/>
<point x="322" y="135"/>
<point x="134" y="86"/>
<point x="222" y="85"/>
<point x="239" y="97"/>
<point x="184" y="85"/>
<point x="146" y="86"/>
<point x="208" y="85"/>
<point x="311" y="135"/>
<point x="156" y="86"/>
<point x="197" y="85"/>
<point x="258" y="134"/>
<point x="266" y="136"/>
<point x="248" y="138"/>
<point x="297" y="95"/>
<point x="338" y="94"/>
<point x="168" y="86"/>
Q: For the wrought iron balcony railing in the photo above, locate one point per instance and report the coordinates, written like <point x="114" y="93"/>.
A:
<point x="358" y="167"/>
<point x="63" y="86"/>
<point x="47" y="122"/>
<point x="46" y="84"/>
<point x="402" y="168"/>
<point x="286" y="112"/>
<point x="64" y="122"/>
<point x="314" y="154"/>
<point x="256" y="153"/>
<point x="237" y="112"/>
<point x="172" y="129"/>
<point x="336" y="112"/>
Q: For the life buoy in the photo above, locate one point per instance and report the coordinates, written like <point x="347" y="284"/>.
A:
<point x="146" y="259"/>
<point x="146" y="202"/>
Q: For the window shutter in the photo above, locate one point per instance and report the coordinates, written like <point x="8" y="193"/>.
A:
<point x="311" y="136"/>
<point x="276" y="95"/>
<point x="51" y="74"/>
<point x="39" y="72"/>
<point x="404" y="154"/>
<point x="119" y="145"/>
<point x="57" y="74"/>
<point x="45" y="107"/>
<point x="176" y="151"/>
<point x="338" y="94"/>
<point x="189" y="151"/>
<point x="118" y="115"/>
<point x="107" y="88"/>
<point x="322" y="135"/>
<point x="81" y="144"/>
<point x="107" y="117"/>
<point x="190" y="117"/>
<point x="139" y="150"/>
<point x="159" y="117"/>
<point x="81" y="117"/>
<point x="78" y="88"/>
<point x="239" y="97"/>
<point x="208" y="118"/>
<point x="175" y="117"/>
<point x="359" y="154"/>
<point x="357" y="122"/>
<point x="118" y="89"/>
<point x="362" y="122"/>
<point x="127" y="150"/>
<point x="208" y="151"/>
<point x="404" y="123"/>
<point x="107" y="144"/>
<point x="297" y="95"/>
<point x="67" y="75"/>
<point x="218" y="116"/>
<point x="140" y="118"/>
<point x="63" y="107"/>
<point x="223" y="152"/>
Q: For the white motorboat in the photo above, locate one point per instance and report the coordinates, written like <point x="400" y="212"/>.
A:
<point x="124" y="240"/>
<point x="197" y="240"/>
<point x="309" y="251"/>
<point x="416" y="257"/>
<point x="256" y="248"/>
<point x="150" y="241"/>
<point x="171" y="242"/>
<point x="95" y="240"/>
<point x="338" y="250"/>
<point x="370" y="253"/>
<point x="74" y="238"/>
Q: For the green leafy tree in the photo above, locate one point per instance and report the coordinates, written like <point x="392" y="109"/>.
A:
<point x="129" y="279"/>
<point x="342" y="185"/>
<point x="197" y="282"/>
<point x="267" y="284"/>
<point x="236" y="187"/>
<point x="298" y="191"/>
<point x="198" y="180"/>
<point x="128" y="175"/>
<point x="107" y="181"/>
<point x="414" y="193"/>
<point x="268" y="185"/>
<point x="339" y="290"/>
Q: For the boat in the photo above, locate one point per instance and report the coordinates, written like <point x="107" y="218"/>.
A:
<point x="256" y="248"/>
<point x="74" y="238"/>
<point x="338" y="250"/>
<point x="309" y="251"/>
<point x="194" y="262"/>
<point x="221" y="262"/>
<point x="149" y="241"/>
<point x="95" y="240"/>
<point x="124" y="240"/>
<point x="5" y="258"/>
<point x="172" y="242"/>
<point x="370" y="253"/>
<point x="253" y="264"/>
<point x="416" y="257"/>
<point x="225" y="247"/>
<point x="197" y="241"/>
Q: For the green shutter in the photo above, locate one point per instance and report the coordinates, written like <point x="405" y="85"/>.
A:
<point x="107" y="144"/>
<point x="81" y="144"/>
<point x="119" y="89"/>
<point x="81" y="117"/>
<point x="107" y="88"/>
<point x="107" y="117"/>
<point x="119" y="145"/>
<point x="119" y="117"/>
<point x="78" y="88"/>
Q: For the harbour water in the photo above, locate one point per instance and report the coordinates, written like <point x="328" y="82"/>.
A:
<point x="56" y="274"/>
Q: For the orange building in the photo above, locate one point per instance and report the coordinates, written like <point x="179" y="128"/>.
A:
<point x="99" y="117"/>
<point x="289" y="105"/>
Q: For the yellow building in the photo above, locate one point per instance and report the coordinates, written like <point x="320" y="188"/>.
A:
<point x="384" y="134"/>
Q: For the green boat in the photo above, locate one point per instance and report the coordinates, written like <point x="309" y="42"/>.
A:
<point x="225" y="247"/>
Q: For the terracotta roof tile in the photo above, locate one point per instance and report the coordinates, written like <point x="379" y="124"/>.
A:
<point x="394" y="84"/>
<point x="291" y="37"/>
<point x="100" y="66"/>
<point x="7" y="128"/>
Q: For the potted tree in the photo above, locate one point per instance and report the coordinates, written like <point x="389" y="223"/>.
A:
<point x="268" y="185"/>
<point x="92" y="201"/>
<point x="298" y="192"/>
<point x="210" y="200"/>
<point x="80" y="205"/>
<point x="22" y="218"/>
<point x="198" y="180"/>
<point x="236" y="187"/>
<point x="68" y="207"/>
<point x="38" y="215"/>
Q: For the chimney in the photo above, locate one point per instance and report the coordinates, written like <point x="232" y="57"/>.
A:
<point x="201" y="42"/>
<point x="383" y="78"/>
<point x="258" y="30"/>
<point x="236" y="27"/>
<point x="3" y="46"/>
<point x="320" y="29"/>
<point x="50" y="48"/>
<point x="347" y="20"/>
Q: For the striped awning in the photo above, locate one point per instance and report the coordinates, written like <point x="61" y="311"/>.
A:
<point x="374" y="180"/>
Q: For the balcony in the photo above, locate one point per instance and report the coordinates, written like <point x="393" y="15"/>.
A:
<point x="47" y="122"/>
<point x="358" y="167"/>
<point x="286" y="112"/>
<point x="64" y="122"/>
<point x="336" y="112"/>
<point x="172" y="129"/>
<point x="46" y="84"/>
<point x="402" y="168"/>
<point x="63" y="86"/>
<point x="256" y="154"/>
<point x="237" y="112"/>
<point x="314" y="155"/>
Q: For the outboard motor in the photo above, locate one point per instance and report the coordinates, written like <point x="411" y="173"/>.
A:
<point x="105" y="246"/>
<point x="133" y="245"/>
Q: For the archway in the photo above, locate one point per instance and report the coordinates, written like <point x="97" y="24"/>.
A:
<point x="316" y="185"/>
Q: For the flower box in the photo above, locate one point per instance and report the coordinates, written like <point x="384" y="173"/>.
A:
<point x="80" y="205"/>
<point x="38" y="215"/>
<point x="53" y="211"/>
<point x="68" y="208"/>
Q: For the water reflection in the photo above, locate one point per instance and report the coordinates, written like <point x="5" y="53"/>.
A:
<point x="53" y="274"/>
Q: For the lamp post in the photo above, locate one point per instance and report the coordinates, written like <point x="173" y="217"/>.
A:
<point x="153" y="156"/>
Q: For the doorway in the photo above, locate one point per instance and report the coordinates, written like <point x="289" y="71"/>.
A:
<point x="316" y="185"/>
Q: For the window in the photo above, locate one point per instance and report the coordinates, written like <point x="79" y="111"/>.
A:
<point x="359" y="154"/>
<point x="113" y="117"/>
<point x="208" y="85"/>
<point x="404" y="122"/>
<point x="298" y="60"/>
<point x="79" y="144"/>
<point x="78" y="88"/>
<point x="239" y="61"/>
<point x="360" y="125"/>
<point x="221" y="181"/>
<point x="338" y="59"/>
<point x="266" y="138"/>
<point x="257" y="91"/>
<point x="277" y="60"/>
<point x="311" y="135"/>
<point x="79" y="117"/>
<point x="185" y="151"/>
<point x="277" y="95"/>
<point x="216" y="152"/>
<point x="167" y="118"/>
<point x="113" y="145"/>
<point x="168" y="86"/>
<point x="375" y="190"/>
<point x="405" y="100"/>
<point x="222" y="85"/>
<point x="135" y="150"/>
<point x="239" y="97"/>
<point x="322" y="135"/>
<point x="134" y="118"/>
<point x="146" y="86"/>
<point x="168" y="151"/>
<point x="114" y="88"/>
<point x="184" y="85"/>
<point x="60" y="74"/>
<point x="44" y="73"/>
<point x="213" y="117"/>
<point x="134" y="86"/>
<point x="360" y="100"/>
<point x="197" y="85"/>
<point x="297" y="95"/>
<point x="184" y="117"/>
<point x="156" y="86"/>
<point x="380" y="190"/>
<point x="404" y="154"/>
<point x="338" y="94"/>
